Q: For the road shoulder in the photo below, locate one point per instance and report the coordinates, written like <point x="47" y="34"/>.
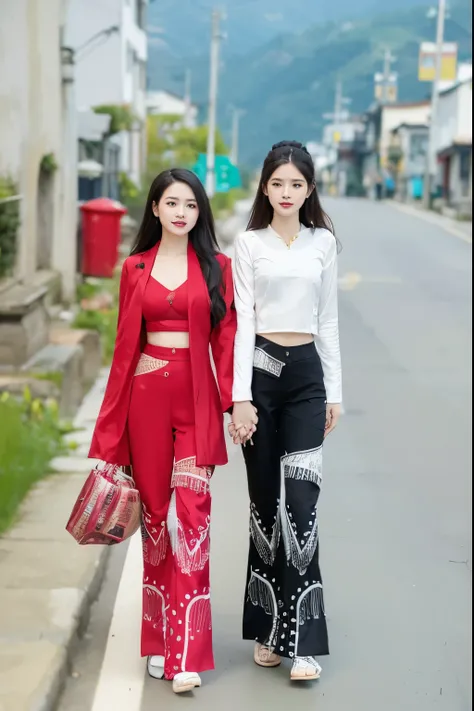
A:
<point x="47" y="581"/>
<point x="461" y="230"/>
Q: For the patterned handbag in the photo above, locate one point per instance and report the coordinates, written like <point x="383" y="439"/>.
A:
<point x="108" y="509"/>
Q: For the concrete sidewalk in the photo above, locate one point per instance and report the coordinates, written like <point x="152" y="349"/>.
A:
<point x="462" y="230"/>
<point x="47" y="581"/>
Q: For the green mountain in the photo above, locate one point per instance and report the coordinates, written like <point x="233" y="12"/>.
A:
<point x="286" y="85"/>
<point x="181" y="29"/>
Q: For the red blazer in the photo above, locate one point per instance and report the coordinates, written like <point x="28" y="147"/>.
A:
<point x="110" y="440"/>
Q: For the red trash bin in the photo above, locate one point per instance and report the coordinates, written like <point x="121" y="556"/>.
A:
<point x="101" y="236"/>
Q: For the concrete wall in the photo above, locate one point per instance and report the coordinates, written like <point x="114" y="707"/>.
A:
<point x="32" y="119"/>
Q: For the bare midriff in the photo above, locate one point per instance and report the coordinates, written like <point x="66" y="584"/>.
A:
<point x="168" y="339"/>
<point x="288" y="339"/>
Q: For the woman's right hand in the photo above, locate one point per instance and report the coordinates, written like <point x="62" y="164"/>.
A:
<point x="244" y="422"/>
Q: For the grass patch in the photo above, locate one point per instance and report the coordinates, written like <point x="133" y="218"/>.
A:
<point x="30" y="436"/>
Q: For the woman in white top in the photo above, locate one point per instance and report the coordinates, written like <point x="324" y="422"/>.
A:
<point x="287" y="395"/>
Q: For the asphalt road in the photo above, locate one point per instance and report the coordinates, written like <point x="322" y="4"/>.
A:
<point x="395" y="511"/>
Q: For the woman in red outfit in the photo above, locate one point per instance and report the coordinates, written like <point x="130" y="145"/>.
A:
<point x="163" y="413"/>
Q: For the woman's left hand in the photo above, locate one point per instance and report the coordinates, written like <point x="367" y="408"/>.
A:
<point x="241" y="435"/>
<point x="333" y="413"/>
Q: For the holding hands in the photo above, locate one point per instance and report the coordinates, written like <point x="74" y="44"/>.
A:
<point x="244" y="423"/>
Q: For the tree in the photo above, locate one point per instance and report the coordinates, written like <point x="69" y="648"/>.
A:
<point x="172" y="145"/>
<point x="121" y="116"/>
<point x="188" y="143"/>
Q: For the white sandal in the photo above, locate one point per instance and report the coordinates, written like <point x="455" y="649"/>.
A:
<point x="156" y="667"/>
<point x="265" y="656"/>
<point x="305" y="669"/>
<point x="186" y="681"/>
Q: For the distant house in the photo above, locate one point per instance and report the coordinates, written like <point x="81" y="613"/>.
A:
<point x="382" y="120"/>
<point x="163" y="103"/>
<point x="407" y="154"/>
<point x="453" y="144"/>
<point x="341" y="159"/>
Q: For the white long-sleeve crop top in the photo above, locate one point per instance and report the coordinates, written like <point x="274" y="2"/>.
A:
<point x="280" y="290"/>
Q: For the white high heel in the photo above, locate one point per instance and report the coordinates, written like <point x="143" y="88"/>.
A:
<point x="186" y="681"/>
<point x="156" y="667"/>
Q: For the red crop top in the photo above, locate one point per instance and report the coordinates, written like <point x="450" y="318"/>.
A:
<point x="165" y="310"/>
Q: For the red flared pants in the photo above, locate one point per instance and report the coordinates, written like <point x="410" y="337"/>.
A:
<point x="176" y="512"/>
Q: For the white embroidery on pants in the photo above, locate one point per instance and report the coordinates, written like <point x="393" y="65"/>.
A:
<point x="195" y="555"/>
<point x="188" y="476"/>
<point x="263" y="361"/>
<point x="198" y="620"/>
<point x="262" y="595"/>
<point x="304" y="466"/>
<point x="300" y="548"/>
<point x="300" y="554"/>
<point x="154" y="540"/>
<point x="154" y="607"/>
<point x="148" y="364"/>
<point x="266" y="547"/>
<point x="310" y="606"/>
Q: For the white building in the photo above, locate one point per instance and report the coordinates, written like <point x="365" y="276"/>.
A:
<point x="110" y="44"/>
<point x="453" y="143"/>
<point x="408" y="156"/>
<point x="380" y="123"/>
<point x="37" y="138"/>
<point x="163" y="103"/>
<point x="394" y="115"/>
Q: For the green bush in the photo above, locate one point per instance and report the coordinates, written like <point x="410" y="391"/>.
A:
<point x="9" y="223"/>
<point x="121" y="116"/>
<point x="105" y="322"/>
<point x="30" y="436"/>
<point x="130" y="194"/>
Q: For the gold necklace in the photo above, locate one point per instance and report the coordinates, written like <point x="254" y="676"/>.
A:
<point x="288" y="244"/>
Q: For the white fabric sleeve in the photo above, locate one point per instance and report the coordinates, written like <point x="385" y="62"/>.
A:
<point x="245" y="306"/>
<point x="327" y="340"/>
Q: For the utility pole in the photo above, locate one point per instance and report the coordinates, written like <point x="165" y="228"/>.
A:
<point x="337" y="112"/>
<point x="338" y="106"/>
<point x="387" y="75"/>
<point x="430" y="158"/>
<point x="236" y="116"/>
<point x="337" y="118"/>
<point x="216" y="37"/>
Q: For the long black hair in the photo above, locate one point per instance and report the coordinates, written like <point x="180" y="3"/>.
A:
<point x="311" y="213"/>
<point x="202" y="236"/>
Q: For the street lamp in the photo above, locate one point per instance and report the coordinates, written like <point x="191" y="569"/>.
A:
<point x="105" y="33"/>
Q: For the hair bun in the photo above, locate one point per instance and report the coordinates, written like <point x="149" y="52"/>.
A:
<point x="290" y="144"/>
